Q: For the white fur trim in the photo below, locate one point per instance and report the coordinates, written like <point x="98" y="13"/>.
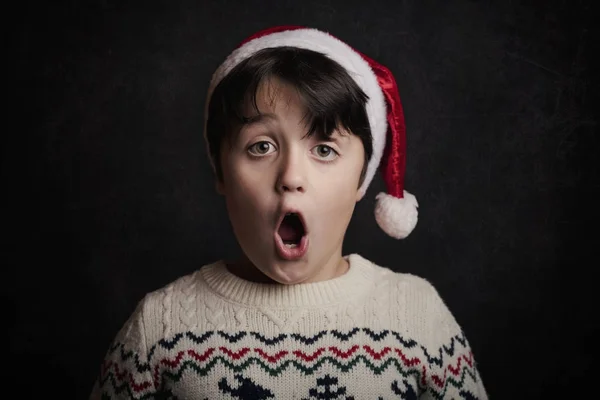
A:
<point x="397" y="217"/>
<point x="338" y="51"/>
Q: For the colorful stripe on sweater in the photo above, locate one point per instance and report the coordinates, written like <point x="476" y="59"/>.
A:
<point x="331" y="360"/>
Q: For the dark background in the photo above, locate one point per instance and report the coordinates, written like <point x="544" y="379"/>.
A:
<point x="108" y="193"/>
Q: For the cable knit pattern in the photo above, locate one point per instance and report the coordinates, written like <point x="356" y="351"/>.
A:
<point x="369" y="334"/>
<point x="188" y="303"/>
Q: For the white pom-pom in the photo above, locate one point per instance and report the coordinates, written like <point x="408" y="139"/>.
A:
<point x="396" y="217"/>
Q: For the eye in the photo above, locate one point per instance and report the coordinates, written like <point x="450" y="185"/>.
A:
<point x="324" y="152"/>
<point x="261" y="148"/>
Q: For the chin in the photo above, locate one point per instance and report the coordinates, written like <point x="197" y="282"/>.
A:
<point x="286" y="272"/>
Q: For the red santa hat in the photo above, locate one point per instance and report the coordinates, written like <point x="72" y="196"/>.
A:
<point x="395" y="211"/>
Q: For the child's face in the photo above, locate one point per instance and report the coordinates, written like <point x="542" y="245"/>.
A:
<point x="272" y="167"/>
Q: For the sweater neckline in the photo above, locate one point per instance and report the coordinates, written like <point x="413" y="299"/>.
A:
<point x="353" y="284"/>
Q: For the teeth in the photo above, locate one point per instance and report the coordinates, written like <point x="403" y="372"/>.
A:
<point x="291" y="245"/>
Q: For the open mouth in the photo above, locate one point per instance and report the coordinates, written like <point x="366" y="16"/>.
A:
<point x="291" y="237"/>
<point x="291" y="230"/>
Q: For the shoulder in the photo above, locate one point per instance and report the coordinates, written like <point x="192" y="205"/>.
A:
<point x="415" y="300"/>
<point x="173" y="306"/>
<point x="180" y="288"/>
<point x="409" y="284"/>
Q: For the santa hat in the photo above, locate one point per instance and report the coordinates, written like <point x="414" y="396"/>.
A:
<point x="395" y="211"/>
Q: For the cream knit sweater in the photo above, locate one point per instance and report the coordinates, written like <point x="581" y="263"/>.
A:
<point x="369" y="334"/>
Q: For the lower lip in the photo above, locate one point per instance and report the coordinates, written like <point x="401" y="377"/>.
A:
<point x="293" y="253"/>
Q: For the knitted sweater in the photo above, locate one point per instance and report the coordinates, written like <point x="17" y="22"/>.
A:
<point x="368" y="334"/>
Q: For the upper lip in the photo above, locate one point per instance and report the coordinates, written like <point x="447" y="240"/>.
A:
<point x="292" y="210"/>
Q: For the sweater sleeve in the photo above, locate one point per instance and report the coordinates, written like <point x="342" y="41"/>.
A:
<point x="453" y="371"/>
<point x="125" y="372"/>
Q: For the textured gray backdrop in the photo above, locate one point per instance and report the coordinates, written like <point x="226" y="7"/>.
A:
<point x="108" y="193"/>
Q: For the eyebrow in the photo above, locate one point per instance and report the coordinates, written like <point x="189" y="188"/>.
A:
<point x="254" y="119"/>
<point x="338" y="137"/>
<point x="335" y="137"/>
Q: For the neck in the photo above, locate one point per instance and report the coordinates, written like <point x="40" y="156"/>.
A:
<point x="349" y="287"/>
<point x="244" y="269"/>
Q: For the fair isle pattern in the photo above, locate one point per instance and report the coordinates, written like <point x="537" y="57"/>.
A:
<point x="368" y="334"/>
<point x="327" y="365"/>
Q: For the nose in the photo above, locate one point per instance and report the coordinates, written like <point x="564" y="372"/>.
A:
<point x="292" y="175"/>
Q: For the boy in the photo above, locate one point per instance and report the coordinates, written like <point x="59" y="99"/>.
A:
<point x="297" y="124"/>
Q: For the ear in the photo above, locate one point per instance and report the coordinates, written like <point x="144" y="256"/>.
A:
<point x="359" y="195"/>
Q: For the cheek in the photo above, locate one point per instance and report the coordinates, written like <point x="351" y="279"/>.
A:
<point x="343" y="179"/>
<point x="239" y="195"/>
<point x="245" y="197"/>
<point x="337" y="198"/>
<point x="341" y="188"/>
